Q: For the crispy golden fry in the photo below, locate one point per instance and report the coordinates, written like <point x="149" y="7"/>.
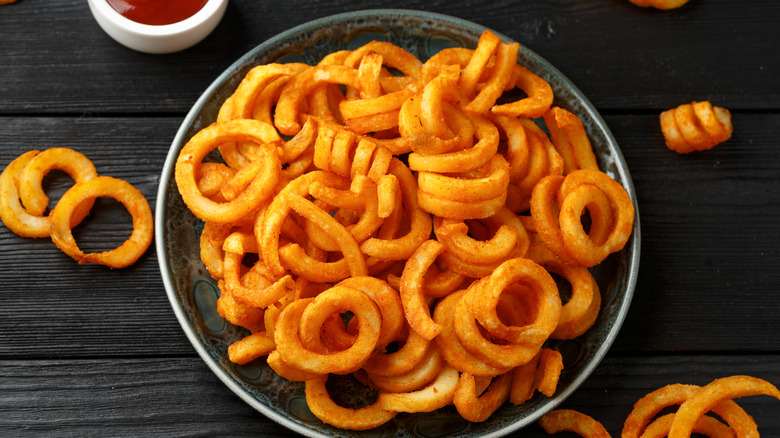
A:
<point x="659" y="4"/>
<point x="23" y="201"/>
<point x="437" y="394"/>
<point x="104" y="186"/>
<point x="705" y="425"/>
<point x="675" y="394"/>
<point x="715" y="392"/>
<point x="328" y="411"/>
<point x="696" y="126"/>
<point x="567" y="420"/>
<point x="478" y="406"/>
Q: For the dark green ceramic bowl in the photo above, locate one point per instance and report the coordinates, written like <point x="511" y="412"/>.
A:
<point x="193" y="293"/>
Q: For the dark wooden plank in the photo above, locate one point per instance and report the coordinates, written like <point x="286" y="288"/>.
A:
<point x="620" y="55"/>
<point x="52" y="305"/>
<point x="143" y="397"/>
<point x="708" y="264"/>
<point x="181" y="397"/>
<point x="709" y="239"/>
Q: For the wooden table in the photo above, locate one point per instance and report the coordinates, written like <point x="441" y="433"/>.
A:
<point x="86" y="350"/>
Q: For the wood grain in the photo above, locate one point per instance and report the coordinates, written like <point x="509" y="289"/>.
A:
<point x="180" y="397"/>
<point x="709" y="239"/>
<point x="718" y="50"/>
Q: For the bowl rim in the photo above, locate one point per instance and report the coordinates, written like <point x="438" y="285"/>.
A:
<point x="120" y="21"/>
<point x="632" y="247"/>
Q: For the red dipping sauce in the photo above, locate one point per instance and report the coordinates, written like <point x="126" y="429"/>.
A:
<point x="157" y="12"/>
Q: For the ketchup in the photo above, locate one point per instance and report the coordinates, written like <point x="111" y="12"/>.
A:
<point x="157" y="12"/>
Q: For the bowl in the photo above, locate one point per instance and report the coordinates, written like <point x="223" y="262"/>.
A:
<point x="193" y="293"/>
<point x="158" y="39"/>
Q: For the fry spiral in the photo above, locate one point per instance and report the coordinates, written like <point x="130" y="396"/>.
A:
<point x="696" y="126"/>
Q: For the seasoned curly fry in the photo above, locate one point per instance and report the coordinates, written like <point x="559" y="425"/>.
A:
<point x="696" y="126"/>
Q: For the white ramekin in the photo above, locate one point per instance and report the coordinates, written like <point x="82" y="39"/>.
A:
<point x="166" y="38"/>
